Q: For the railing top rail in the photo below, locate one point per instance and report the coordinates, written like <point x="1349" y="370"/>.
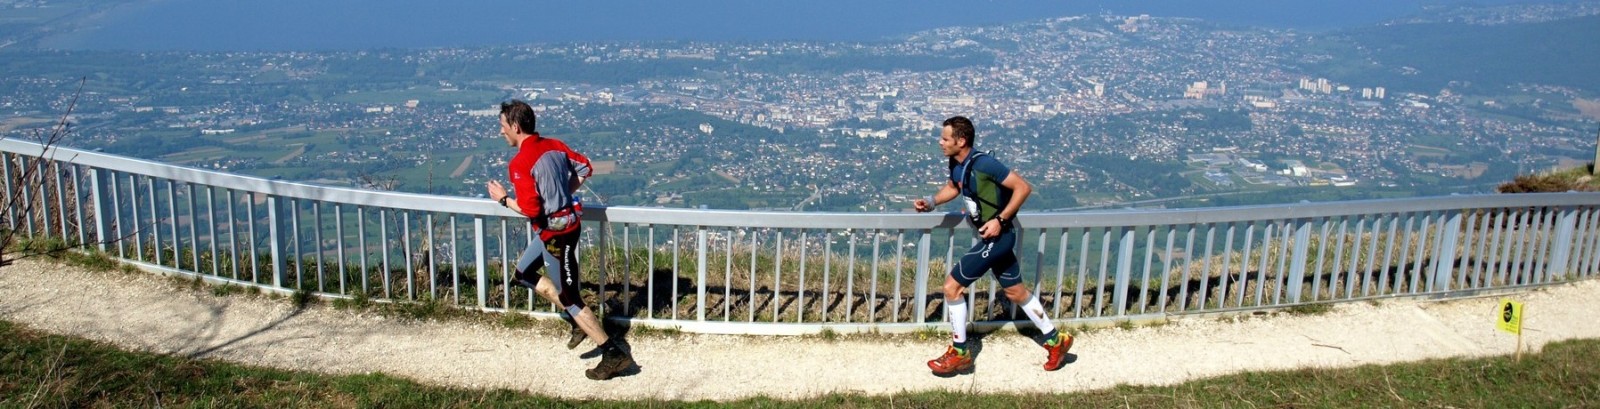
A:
<point x="412" y="201"/>
<point x="1297" y="211"/>
<point x="818" y="220"/>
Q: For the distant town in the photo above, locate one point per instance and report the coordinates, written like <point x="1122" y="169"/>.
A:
<point x="1096" y="111"/>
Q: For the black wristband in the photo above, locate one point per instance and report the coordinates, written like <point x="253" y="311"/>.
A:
<point x="503" y="200"/>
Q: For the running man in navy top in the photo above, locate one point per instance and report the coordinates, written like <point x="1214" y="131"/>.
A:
<point x="993" y="196"/>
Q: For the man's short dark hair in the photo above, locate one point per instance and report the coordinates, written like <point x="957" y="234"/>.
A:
<point x="961" y="127"/>
<point x="519" y="113"/>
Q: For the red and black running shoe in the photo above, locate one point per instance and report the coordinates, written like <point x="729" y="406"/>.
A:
<point x="952" y="363"/>
<point x="1058" y="352"/>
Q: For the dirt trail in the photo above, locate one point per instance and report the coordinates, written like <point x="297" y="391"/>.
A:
<point x="156" y="314"/>
<point x="462" y="168"/>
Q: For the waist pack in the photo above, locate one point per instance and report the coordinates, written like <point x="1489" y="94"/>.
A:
<point x="562" y="220"/>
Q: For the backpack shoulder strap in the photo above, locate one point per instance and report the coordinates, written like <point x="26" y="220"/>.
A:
<point x="972" y="162"/>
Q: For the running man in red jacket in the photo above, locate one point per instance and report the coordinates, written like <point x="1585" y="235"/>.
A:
<point x="545" y="173"/>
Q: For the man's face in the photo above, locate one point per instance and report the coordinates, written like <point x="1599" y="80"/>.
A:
<point x="508" y="131"/>
<point x="949" y="143"/>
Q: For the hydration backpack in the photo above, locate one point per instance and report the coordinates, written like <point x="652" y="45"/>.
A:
<point x="976" y="201"/>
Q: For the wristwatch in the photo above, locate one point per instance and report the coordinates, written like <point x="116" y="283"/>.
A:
<point x="503" y="200"/>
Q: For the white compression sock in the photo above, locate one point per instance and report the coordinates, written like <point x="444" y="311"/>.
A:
<point x="958" y="318"/>
<point x="1035" y="313"/>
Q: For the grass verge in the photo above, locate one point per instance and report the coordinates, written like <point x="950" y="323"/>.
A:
<point x="44" y="370"/>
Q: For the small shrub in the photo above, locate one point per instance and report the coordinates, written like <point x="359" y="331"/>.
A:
<point x="1534" y="184"/>
<point x="96" y="260"/>
<point x="226" y="290"/>
<point x="647" y="331"/>
<point x="423" y="309"/>
<point x="361" y="300"/>
<point x="303" y="298"/>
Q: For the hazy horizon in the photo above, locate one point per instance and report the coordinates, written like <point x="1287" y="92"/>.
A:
<point x="308" y="25"/>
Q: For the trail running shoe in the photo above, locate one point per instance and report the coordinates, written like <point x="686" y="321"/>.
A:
<point x="610" y="365"/>
<point x="951" y="363"/>
<point x="576" y="338"/>
<point x="1058" y="353"/>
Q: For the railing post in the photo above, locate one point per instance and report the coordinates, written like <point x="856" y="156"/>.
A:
<point x="194" y="238"/>
<point x="1124" y="270"/>
<point x="700" y="271"/>
<point x="1582" y="250"/>
<point x="276" y="231"/>
<point x="1562" y="246"/>
<point x="99" y="187"/>
<point x="603" y="247"/>
<point x="42" y="177"/>
<point x="1144" y="277"/>
<point x="1588" y="265"/>
<point x="481" y="261"/>
<point x="77" y="203"/>
<point x="61" y="198"/>
<point x="172" y="223"/>
<point x="11" y="195"/>
<point x="1444" y="263"/>
<point x="1297" y="264"/>
<point x="405" y="242"/>
<point x="922" y="275"/>
<point x="155" y="216"/>
<point x="1580" y="237"/>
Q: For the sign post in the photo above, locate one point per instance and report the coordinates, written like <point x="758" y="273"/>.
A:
<point x="1510" y="320"/>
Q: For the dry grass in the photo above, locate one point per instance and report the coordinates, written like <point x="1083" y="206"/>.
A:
<point x="43" y="370"/>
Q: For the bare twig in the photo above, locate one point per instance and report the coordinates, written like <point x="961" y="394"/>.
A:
<point x="32" y="175"/>
<point x="1318" y="343"/>
<point x="1388" y="384"/>
<point x="153" y="393"/>
<point x="384" y="183"/>
<point x="47" y="381"/>
<point x="1334" y="347"/>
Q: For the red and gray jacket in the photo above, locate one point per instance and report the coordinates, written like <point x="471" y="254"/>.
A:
<point x="544" y="173"/>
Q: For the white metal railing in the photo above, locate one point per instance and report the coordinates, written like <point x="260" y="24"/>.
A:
<point x="786" y="272"/>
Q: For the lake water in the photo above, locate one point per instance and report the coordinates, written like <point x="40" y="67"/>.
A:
<point x="218" y="25"/>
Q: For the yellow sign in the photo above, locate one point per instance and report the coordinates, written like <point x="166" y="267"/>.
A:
<point x="1510" y="317"/>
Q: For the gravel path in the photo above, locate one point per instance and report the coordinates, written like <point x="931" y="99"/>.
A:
<point x="152" y="313"/>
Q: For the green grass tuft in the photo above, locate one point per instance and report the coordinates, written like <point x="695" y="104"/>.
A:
<point x="227" y="290"/>
<point x="1310" y="309"/>
<point x="829" y="335"/>
<point x="516" y="321"/>
<point x="303" y="298"/>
